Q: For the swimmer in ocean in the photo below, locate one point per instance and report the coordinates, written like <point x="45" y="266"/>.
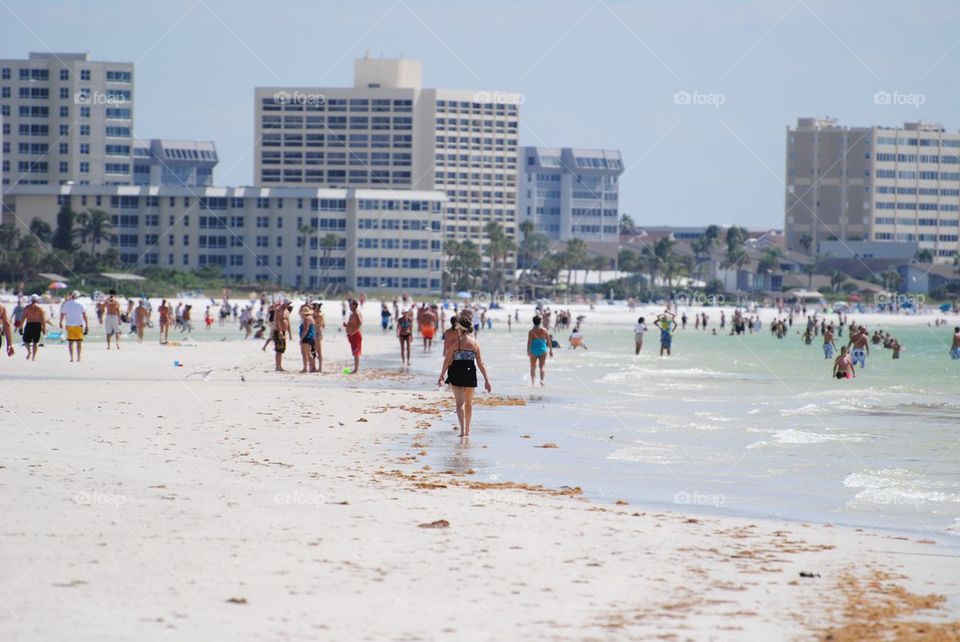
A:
<point x="843" y="366"/>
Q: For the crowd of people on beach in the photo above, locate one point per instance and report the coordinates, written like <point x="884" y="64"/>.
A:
<point x="454" y="325"/>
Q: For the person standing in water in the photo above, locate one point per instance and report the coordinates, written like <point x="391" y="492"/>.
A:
<point x="667" y="324"/>
<point x="638" y="331"/>
<point x="828" y="345"/>
<point x="955" y="348"/>
<point x="460" y="367"/>
<point x="352" y="327"/>
<point x="539" y="346"/>
<point x="843" y="366"/>
<point x="860" y="344"/>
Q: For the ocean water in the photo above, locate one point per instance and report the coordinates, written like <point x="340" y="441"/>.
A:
<point x="748" y="425"/>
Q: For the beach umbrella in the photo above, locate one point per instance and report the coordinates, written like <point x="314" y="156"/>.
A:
<point x="944" y="307"/>
<point x="854" y="297"/>
<point x="57" y="285"/>
<point x="463" y="294"/>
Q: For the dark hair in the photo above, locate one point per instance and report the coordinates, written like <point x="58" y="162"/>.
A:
<point x="112" y="293"/>
<point x="465" y="325"/>
<point x="640" y="320"/>
<point x="454" y="320"/>
<point x="536" y="321"/>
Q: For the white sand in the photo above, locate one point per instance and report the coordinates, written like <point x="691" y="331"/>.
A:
<point x="136" y="503"/>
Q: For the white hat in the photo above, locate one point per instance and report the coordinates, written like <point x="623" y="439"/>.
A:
<point x="34" y="297"/>
<point x="76" y="294"/>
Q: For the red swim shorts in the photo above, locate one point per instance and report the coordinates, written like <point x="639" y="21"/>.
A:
<point x="427" y="331"/>
<point x="356" y="341"/>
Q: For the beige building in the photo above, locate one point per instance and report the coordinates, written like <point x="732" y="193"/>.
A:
<point x="361" y="239"/>
<point x="388" y="132"/>
<point x="873" y="184"/>
<point x="66" y="118"/>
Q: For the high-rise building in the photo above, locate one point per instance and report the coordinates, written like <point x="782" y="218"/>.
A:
<point x="571" y="193"/>
<point x="66" y="119"/>
<point x="189" y="163"/>
<point x="873" y="184"/>
<point x="387" y="131"/>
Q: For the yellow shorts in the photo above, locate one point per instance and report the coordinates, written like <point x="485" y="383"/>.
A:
<point x="74" y="333"/>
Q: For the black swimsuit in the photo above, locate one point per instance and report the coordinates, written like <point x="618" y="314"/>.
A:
<point x="463" y="369"/>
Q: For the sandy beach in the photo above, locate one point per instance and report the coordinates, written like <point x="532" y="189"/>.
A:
<point x="146" y="501"/>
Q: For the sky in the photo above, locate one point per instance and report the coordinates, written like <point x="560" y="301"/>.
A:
<point x="696" y="94"/>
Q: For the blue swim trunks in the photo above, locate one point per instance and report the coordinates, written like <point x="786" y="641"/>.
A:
<point x="955" y="353"/>
<point x="859" y="356"/>
<point x="828" y="350"/>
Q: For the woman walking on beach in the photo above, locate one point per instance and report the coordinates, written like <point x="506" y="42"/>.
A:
<point x="460" y="367"/>
<point x="539" y="345"/>
<point x="638" y="331"/>
<point x="405" y="335"/>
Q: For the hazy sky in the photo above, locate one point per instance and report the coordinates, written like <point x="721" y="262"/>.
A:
<point x="598" y="73"/>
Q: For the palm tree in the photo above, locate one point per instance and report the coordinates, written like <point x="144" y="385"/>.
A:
<point x="923" y="256"/>
<point x="806" y="242"/>
<point x="9" y="236"/>
<point x="627" y="225"/>
<point x="95" y="225"/>
<point x="891" y="279"/>
<point x="463" y="261"/>
<point x="573" y="256"/>
<point x="499" y="247"/>
<point x="328" y="244"/>
<point x="306" y="231"/>
<point x="837" y="279"/>
<point x="42" y="230"/>
<point x="769" y="262"/>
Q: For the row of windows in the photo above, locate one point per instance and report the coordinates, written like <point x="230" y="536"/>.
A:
<point x="922" y="142"/>
<point x="41" y="74"/>
<point x="335" y="158"/>
<point x="397" y="224"/>
<point x="403" y="205"/>
<point x="593" y="211"/>
<point x="917" y="158"/>
<point x="402" y="141"/>
<point x="397" y="263"/>
<point x="399" y="123"/>
<point x="912" y="191"/>
<point x="335" y="176"/>
<point x="398" y="244"/>
<point x="923" y="222"/>
<point x="296" y="101"/>
<point x="397" y="282"/>
<point x="911" y="175"/>
<point x="923" y="207"/>
<point x="594" y="229"/>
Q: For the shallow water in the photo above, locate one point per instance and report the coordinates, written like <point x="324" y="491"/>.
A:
<point x="749" y="425"/>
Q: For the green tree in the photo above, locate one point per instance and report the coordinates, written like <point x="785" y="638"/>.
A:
<point x="42" y="230"/>
<point x="837" y="279"/>
<point x="627" y="225"/>
<point x="923" y="256"/>
<point x="498" y="249"/>
<point x="9" y="236"/>
<point x="573" y="257"/>
<point x="806" y="242"/>
<point x="769" y="262"/>
<point x="64" y="235"/>
<point x="328" y="244"/>
<point x="95" y="225"/>
<point x="306" y="232"/>
<point x="463" y="263"/>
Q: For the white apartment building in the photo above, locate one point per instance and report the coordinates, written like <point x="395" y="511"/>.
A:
<point x="66" y="118"/>
<point x="388" y="132"/>
<point x="359" y="239"/>
<point x="571" y="193"/>
<point x="892" y="184"/>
